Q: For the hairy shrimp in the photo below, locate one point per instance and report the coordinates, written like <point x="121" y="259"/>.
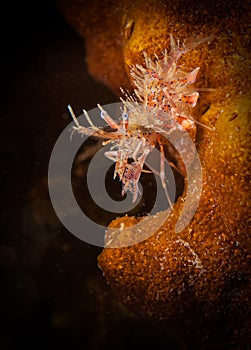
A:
<point x="161" y="104"/>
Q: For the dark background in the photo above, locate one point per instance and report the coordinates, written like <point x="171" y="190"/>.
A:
<point x="52" y="293"/>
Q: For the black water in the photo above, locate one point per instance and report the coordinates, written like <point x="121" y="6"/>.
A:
<point x="52" y="292"/>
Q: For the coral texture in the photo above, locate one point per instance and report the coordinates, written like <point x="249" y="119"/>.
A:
<point x="207" y="265"/>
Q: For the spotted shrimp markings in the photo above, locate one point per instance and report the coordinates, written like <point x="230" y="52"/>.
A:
<point x="161" y="104"/>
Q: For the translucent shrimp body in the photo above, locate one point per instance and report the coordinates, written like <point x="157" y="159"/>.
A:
<point x="162" y="86"/>
<point x="161" y="104"/>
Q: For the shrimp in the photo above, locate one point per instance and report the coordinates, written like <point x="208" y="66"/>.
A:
<point x="160" y="105"/>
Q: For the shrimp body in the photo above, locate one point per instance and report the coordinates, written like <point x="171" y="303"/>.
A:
<point x="161" y="104"/>
<point x="162" y="86"/>
<point x="129" y="153"/>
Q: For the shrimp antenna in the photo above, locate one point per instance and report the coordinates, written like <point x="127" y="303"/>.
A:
<point x="211" y="128"/>
<point x="73" y="115"/>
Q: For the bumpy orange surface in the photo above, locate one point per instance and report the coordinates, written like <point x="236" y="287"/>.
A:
<point x="207" y="265"/>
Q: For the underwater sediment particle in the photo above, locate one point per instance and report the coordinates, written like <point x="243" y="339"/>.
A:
<point x="206" y="266"/>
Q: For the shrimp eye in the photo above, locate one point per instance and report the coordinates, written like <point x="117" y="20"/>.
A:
<point x="125" y="116"/>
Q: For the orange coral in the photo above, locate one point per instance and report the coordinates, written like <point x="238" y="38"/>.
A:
<point x="207" y="265"/>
